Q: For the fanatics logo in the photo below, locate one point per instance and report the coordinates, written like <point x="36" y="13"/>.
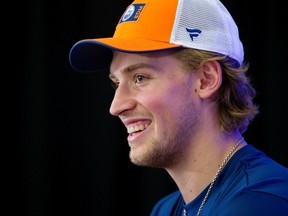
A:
<point x="132" y="13"/>
<point x="193" y="32"/>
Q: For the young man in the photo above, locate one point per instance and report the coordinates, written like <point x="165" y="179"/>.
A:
<point x="182" y="92"/>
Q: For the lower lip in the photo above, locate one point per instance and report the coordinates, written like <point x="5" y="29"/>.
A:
<point x="136" y="137"/>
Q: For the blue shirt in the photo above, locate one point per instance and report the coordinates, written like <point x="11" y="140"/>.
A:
<point x="250" y="184"/>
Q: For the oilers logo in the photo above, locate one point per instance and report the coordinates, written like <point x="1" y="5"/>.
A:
<point x="132" y="13"/>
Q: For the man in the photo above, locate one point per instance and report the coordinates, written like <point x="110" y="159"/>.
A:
<point x="182" y="92"/>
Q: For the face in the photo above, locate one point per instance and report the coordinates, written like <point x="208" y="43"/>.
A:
<point x="157" y="102"/>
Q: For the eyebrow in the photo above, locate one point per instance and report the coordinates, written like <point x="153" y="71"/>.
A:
<point x="134" y="67"/>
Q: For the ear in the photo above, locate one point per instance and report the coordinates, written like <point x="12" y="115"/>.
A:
<point x="211" y="79"/>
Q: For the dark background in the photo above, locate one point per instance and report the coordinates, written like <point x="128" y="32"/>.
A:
<point x="62" y="152"/>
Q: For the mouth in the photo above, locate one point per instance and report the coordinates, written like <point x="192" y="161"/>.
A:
<point x="136" y="128"/>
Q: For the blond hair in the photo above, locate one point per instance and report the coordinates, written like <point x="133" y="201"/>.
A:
<point x="235" y="95"/>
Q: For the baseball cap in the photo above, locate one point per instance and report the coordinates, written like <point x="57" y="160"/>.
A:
<point x="158" y="25"/>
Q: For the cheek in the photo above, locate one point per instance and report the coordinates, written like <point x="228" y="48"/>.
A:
<point x="166" y="102"/>
<point x="169" y="96"/>
<point x="159" y="99"/>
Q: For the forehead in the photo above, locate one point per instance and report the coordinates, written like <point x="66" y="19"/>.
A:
<point x="122" y="61"/>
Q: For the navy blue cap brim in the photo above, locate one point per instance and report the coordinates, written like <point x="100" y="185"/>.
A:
<point x="90" y="56"/>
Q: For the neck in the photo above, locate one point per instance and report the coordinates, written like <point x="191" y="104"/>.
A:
<point x="196" y="170"/>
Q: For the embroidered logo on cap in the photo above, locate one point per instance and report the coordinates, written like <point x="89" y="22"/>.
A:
<point x="132" y="13"/>
<point x="193" y="33"/>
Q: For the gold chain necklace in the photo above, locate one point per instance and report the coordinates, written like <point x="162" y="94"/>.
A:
<point x="216" y="176"/>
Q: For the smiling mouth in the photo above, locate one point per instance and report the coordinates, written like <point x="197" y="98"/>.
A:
<point x="136" y="128"/>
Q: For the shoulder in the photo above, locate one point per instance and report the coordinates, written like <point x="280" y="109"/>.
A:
<point x="250" y="203"/>
<point x="256" y="166"/>
<point x="167" y="204"/>
<point x="261" y="172"/>
<point x="253" y="184"/>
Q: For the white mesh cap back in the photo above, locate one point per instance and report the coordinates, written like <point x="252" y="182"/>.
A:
<point x="207" y="25"/>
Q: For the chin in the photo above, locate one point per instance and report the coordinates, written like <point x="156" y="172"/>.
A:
<point x="140" y="159"/>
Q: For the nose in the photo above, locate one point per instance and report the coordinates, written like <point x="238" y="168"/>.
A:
<point x="123" y="100"/>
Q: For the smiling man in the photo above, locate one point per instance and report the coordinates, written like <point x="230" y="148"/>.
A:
<point x="183" y="94"/>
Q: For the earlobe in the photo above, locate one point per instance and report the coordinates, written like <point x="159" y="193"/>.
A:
<point x="211" y="79"/>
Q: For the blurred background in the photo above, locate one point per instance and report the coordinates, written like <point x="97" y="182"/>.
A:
<point x="62" y="152"/>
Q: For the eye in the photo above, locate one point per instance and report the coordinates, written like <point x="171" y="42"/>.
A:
<point x="139" y="78"/>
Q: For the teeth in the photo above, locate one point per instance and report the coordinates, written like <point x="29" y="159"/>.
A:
<point x="135" y="128"/>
